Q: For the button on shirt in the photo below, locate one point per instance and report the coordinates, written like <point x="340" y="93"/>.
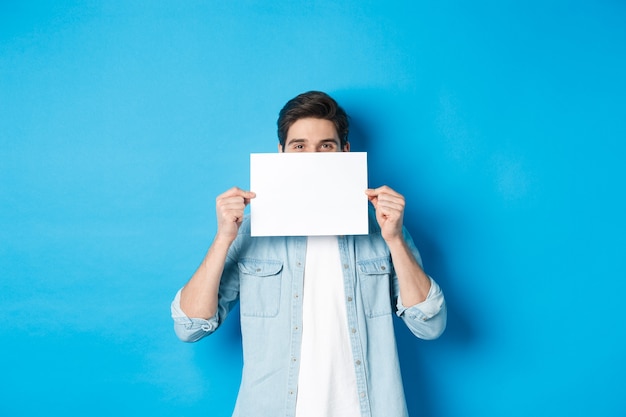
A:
<point x="266" y="275"/>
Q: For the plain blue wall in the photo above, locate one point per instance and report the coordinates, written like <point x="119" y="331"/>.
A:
<point x="503" y="123"/>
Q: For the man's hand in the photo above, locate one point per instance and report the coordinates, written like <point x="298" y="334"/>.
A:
<point x="414" y="283"/>
<point x="389" y="206"/>
<point x="229" y="207"/>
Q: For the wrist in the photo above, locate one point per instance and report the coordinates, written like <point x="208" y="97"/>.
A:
<point x="223" y="239"/>
<point x="396" y="241"/>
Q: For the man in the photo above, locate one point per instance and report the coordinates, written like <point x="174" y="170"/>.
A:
<point x="316" y="312"/>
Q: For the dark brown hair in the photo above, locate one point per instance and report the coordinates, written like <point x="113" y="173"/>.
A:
<point x="314" y="104"/>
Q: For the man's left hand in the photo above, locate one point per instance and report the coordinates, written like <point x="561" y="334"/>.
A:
<point x="389" y="206"/>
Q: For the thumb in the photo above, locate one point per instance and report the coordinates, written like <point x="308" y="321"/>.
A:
<point x="372" y="197"/>
<point x="248" y="195"/>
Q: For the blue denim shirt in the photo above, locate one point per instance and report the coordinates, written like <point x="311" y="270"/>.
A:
<point x="266" y="275"/>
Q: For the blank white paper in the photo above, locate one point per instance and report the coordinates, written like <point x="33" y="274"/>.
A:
<point x="309" y="194"/>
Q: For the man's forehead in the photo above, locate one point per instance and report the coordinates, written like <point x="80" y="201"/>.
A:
<point x="313" y="125"/>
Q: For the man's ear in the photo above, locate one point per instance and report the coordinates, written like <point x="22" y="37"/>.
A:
<point x="346" y="147"/>
<point x="280" y="147"/>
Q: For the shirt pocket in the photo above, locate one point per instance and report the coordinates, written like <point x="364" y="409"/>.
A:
<point x="374" y="277"/>
<point x="260" y="287"/>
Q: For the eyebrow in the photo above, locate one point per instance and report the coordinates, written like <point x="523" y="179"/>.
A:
<point x="335" y="141"/>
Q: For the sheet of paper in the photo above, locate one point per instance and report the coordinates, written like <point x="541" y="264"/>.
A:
<point x="309" y="194"/>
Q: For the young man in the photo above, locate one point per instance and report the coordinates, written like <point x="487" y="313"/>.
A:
<point x="316" y="312"/>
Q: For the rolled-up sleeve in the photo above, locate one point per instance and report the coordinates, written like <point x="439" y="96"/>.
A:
<point x="191" y="329"/>
<point x="426" y="320"/>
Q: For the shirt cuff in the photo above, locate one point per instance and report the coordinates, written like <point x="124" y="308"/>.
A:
<point x="428" y="308"/>
<point x="190" y="329"/>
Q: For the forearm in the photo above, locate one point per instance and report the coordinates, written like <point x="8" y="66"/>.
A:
<point x="198" y="297"/>
<point x="413" y="282"/>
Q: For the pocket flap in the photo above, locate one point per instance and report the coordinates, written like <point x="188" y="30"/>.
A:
<point x="374" y="266"/>
<point x="259" y="267"/>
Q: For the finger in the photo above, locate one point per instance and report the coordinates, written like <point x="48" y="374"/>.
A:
<point x="230" y="202"/>
<point x="250" y="195"/>
<point x="392" y="200"/>
<point x="388" y="201"/>
<point x="233" y="204"/>
<point x="233" y="196"/>
<point x="231" y="208"/>
<point x="237" y="192"/>
<point x="382" y="190"/>
<point x="371" y="196"/>
<point x="390" y="209"/>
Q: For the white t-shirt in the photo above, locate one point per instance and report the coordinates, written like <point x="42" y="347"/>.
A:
<point x="327" y="380"/>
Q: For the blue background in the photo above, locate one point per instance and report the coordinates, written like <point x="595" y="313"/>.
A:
<point x="503" y="123"/>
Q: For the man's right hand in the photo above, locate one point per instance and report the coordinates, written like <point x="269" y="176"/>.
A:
<point x="229" y="207"/>
<point x="198" y="297"/>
